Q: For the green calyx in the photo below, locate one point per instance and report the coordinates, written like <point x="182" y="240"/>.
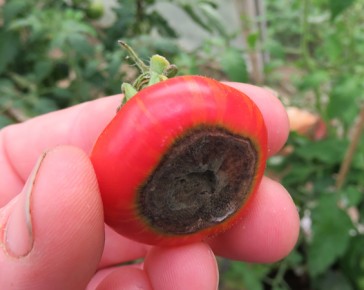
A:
<point x="158" y="70"/>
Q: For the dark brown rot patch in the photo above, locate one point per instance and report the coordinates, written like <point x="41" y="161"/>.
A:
<point x="203" y="179"/>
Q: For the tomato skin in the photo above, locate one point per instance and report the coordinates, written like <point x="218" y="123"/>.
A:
<point x="133" y="143"/>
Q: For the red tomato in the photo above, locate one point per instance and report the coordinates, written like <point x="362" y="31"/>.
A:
<point x="180" y="161"/>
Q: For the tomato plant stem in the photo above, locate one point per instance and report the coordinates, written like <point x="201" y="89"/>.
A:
<point x="14" y="114"/>
<point x="345" y="165"/>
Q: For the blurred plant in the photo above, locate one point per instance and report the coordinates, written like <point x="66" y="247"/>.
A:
<point x="317" y="54"/>
<point x="56" y="54"/>
<point x="45" y="53"/>
<point x="214" y="59"/>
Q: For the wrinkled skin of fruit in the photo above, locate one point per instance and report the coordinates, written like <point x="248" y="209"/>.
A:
<point x="180" y="161"/>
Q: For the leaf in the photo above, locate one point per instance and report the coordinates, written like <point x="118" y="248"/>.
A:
<point x="44" y="105"/>
<point x="351" y="196"/>
<point x="352" y="263"/>
<point x="298" y="175"/>
<point x="9" y="46"/>
<point x="332" y="47"/>
<point x="42" y="69"/>
<point x="73" y="33"/>
<point x="8" y="91"/>
<point x="339" y="6"/>
<point x="213" y="19"/>
<point x="331" y="237"/>
<point x="234" y="66"/>
<point x="76" y="26"/>
<point x="247" y="275"/>
<point x="61" y="95"/>
<point x="252" y="40"/>
<point x="80" y="44"/>
<point x="334" y="281"/>
<point x="205" y="15"/>
<point x="187" y="64"/>
<point x="294" y="258"/>
<point x="330" y="151"/>
<point x="4" y="121"/>
<point x="314" y="80"/>
<point x="342" y="102"/>
<point x="13" y="8"/>
<point x="358" y="161"/>
<point x="30" y="21"/>
<point x="193" y="13"/>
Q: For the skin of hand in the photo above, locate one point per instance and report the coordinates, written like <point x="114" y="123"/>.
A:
<point x="52" y="233"/>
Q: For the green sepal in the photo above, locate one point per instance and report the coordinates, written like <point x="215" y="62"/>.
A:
<point x="159" y="70"/>
<point x="154" y="78"/>
<point x="129" y="91"/>
<point x="158" y="64"/>
<point x="142" y="81"/>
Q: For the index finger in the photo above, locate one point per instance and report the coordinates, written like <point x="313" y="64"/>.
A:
<point x="22" y="144"/>
<point x="80" y="126"/>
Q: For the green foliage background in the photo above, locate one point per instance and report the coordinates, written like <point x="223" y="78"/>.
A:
<point x="54" y="54"/>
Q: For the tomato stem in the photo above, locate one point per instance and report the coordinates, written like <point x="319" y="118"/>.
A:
<point x="140" y="64"/>
<point x="159" y="70"/>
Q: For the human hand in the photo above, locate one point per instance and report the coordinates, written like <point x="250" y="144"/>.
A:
<point x="52" y="234"/>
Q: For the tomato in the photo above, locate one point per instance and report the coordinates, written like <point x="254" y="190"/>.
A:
<point x="180" y="161"/>
<point x="95" y="9"/>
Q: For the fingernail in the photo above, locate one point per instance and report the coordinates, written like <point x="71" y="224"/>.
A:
<point x="19" y="238"/>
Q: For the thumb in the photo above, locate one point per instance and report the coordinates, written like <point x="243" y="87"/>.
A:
<point x="52" y="233"/>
